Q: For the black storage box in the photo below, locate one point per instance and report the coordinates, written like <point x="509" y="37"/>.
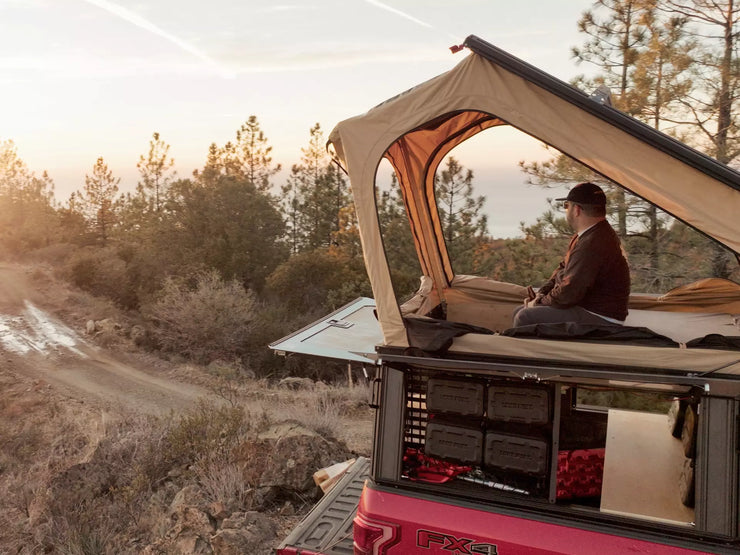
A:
<point x="526" y="405"/>
<point x="455" y="397"/>
<point x="455" y="443"/>
<point x="516" y="453"/>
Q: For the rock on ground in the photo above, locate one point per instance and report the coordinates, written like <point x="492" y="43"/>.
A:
<point x="296" y="453"/>
<point x="249" y="532"/>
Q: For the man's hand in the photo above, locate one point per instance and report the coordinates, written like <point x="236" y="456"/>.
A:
<point x="533" y="300"/>
<point x="530" y="293"/>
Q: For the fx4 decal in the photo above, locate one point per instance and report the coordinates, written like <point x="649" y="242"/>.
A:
<point x="428" y="539"/>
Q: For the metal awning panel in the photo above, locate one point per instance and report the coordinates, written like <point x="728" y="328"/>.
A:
<point x="350" y="333"/>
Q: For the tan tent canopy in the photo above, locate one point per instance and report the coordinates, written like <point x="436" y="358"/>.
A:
<point x="416" y="129"/>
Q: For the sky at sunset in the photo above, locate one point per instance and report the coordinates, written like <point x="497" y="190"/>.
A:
<point x="81" y="79"/>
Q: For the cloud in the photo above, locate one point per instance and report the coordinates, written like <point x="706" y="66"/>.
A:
<point x="393" y="10"/>
<point x="404" y="15"/>
<point x="135" y="19"/>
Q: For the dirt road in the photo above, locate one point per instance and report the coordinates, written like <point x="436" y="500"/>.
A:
<point x="35" y="344"/>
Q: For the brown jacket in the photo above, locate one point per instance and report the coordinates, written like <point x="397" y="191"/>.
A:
<point x="593" y="275"/>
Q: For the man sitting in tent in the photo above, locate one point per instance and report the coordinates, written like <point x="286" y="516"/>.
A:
<point x="592" y="283"/>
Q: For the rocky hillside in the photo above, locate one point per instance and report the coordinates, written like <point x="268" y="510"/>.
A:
<point x="105" y="449"/>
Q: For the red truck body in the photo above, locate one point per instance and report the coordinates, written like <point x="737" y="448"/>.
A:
<point x="436" y="528"/>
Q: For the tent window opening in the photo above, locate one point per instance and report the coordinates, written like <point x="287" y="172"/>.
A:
<point x="398" y="241"/>
<point x="502" y="226"/>
<point x="494" y="196"/>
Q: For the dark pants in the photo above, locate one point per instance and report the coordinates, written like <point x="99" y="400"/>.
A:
<point x="551" y="315"/>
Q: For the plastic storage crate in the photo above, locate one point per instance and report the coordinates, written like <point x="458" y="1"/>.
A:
<point x="516" y="453"/>
<point x="455" y="443"/>
<point x="526" y="405"/>
<point x="465" y="398"/>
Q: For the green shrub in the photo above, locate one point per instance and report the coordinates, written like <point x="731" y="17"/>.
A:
<point x="101" y="272"/>
<point x="321" y="279"/>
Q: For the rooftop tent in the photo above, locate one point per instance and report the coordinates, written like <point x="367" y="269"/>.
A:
<point x="418" y="128"/>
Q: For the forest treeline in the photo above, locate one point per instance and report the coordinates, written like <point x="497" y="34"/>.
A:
<point x="218" y="264"/>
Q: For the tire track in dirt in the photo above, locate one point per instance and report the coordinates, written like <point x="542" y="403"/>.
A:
<point x="35" y="344"/>
<point x="104" y="381"/>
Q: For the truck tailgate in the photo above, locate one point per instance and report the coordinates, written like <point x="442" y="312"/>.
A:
<point x="327" y="529"/>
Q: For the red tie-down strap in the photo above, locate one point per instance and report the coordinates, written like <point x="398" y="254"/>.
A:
<point x="421" y="468"/>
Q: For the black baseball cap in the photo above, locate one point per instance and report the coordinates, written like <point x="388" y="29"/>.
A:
<point x="586" y="193"/>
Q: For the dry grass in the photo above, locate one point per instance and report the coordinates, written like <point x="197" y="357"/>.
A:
<point x="138" y="464"/>
<point x="327" y="410"/>
<point x="77" y="481"/>
<point x="222" y="480"/>
<point x="318" y="411"/>
<point x="38" y="437"/>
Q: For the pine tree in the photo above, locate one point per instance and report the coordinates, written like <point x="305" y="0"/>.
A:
<point x="713" y="104"/>
<point x="291" y="208"/>
<point x="155" y="173"/>
<point x="214" y="168"/>
<point x="72" y="220"/>
<point x="346" y="239"/>
<point x="28" y="216"/>
<point x="315" y="215"/>
<point x="313" y="197"/>
<point x="460" y="213"/>
<point x="660" y="80"/>
<point x="249" y="156"/>
<point x="613" y="47"/>
<point x="98" y="199"/>
<point x="339" y="195"/>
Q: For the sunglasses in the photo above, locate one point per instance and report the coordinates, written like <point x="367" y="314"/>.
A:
<point x="567" y="204"/>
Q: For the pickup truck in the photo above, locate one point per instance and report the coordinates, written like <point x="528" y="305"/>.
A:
<point x="496" y="440"/>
